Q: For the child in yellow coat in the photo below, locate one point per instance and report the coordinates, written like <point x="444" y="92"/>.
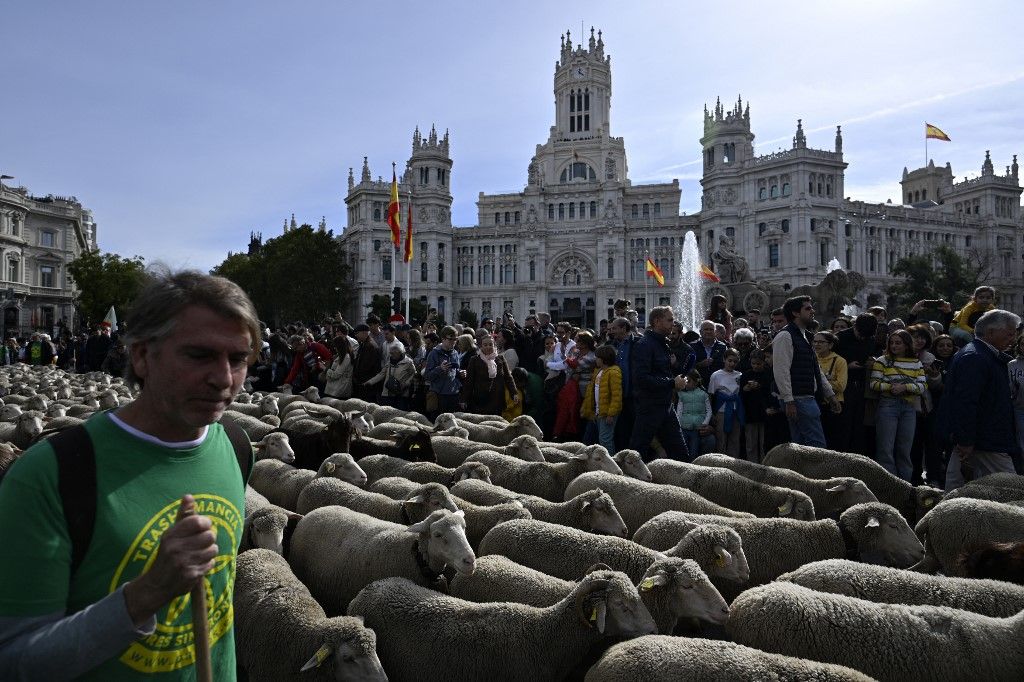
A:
<point x="604" y="392"/>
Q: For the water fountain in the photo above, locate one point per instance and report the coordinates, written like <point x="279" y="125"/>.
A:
<point x="689" y="299"/>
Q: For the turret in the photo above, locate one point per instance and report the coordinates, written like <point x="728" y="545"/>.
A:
<point x="727" y="139"/>
<point x="986" y="168"/>
<point x="799" y="140"/>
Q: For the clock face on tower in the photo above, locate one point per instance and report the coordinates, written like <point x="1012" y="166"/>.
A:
<point x="578" y="72"/>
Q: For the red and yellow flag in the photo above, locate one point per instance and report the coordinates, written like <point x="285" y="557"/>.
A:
<point x="394" y="221"/>
<point x="408" y="232"/>
<point x="708" y="274"/>
<point x="654" y="271"/>
<point x="934" y="133"/>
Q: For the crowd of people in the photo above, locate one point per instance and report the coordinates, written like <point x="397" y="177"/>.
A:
<point x="906" y="392"/>
<point x="102" y="350"/>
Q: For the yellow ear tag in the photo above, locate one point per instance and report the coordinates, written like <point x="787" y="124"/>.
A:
<point x="321" y="654"/>
<point x="719" y="561"/>
<point x="647" y="584"/>
<point x="593" y="615"/>
<point x="782" y="509"/>
<point x="929" y="502"/>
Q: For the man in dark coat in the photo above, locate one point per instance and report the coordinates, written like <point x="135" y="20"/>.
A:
<point x="367" y="365"/>
<point x="976" y="412"/>
<point x="655" y="382"/>
<point x="709" y="352"/>
<point x="97" y="347"/>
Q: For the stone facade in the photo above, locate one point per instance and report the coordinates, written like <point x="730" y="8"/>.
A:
<point x="574" y="239"/>
<point x="39" y="236"/>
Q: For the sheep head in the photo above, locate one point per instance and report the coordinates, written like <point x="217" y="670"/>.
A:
<point x="881" y="535"/>
<point x="633" y="465"/>
<point x="342" y="466"/>
<point x="596" y="458"/>
<point x="443" y="541"/>
<point x="600" y="515"/>
<point x="718" y="549"/>
<point x="685" y="589"/>
<point x="477" y="470"/>
<point x="608" y="602"/>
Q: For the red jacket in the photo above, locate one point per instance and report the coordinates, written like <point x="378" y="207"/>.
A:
<point x="301" y="369"/>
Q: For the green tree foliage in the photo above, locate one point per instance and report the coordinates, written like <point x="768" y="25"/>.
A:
<point x="468" y="317"/>
<point x="301" y="275"/>
<point x="104" y="280"/>
<point x="942" y="274"/>
<point x="380" y="305"/>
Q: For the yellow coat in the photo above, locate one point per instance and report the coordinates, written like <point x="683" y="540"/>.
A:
<point x="611" y="395"/>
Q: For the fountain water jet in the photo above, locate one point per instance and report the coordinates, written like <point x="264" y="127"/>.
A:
<point x="689" y="298"/>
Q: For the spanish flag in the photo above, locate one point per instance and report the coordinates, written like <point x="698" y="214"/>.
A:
<point x="394" y="221"/>
<point x="655" y="272"/>
<point x="708" y="274"/>
<point x="408" y="232"/>
<point x="934" y="133"/>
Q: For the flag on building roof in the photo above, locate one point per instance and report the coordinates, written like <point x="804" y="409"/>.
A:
<point x="708" y="274"/>
<point x="934" y="133"/>
<point x="654" y="271"/>
<point x="394" y="221"/>
<point x="408" y="232"/>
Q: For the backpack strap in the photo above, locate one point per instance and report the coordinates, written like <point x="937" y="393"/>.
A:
<point x="242" y="447"/>
<point x="76" y="484"/>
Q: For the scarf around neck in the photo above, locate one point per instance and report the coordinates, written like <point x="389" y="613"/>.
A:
<point x="489" y="360"/>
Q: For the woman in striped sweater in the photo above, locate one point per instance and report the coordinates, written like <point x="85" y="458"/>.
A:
<point x="899" y="378"/>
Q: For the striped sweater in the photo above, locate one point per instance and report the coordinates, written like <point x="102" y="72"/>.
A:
<point x="886" y="372"/>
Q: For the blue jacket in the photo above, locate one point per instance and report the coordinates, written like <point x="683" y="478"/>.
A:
<point x="439" y="380"/>
<point x="653" y="374"/>
<point x="976" y="408"/>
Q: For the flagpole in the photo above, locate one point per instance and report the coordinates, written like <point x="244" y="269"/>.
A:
<point x="647" y="277"/>
<point x="408" y="266"/>
<point x="926" y="144"/>
<point x="394" y="258"/>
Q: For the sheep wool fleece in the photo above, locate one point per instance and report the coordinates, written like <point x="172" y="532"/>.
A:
<point x="139" y="485"/>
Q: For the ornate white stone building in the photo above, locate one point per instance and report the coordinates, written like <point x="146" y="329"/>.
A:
<point x="39" y="236"/>
<point x="574" y="239"/>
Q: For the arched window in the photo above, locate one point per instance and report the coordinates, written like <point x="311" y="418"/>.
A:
<point x="593" y="209"/>
<point x="762" y="193"/>
<point x="423" y="271"/>
<point x="577" y="171"/>
<point x="786" y="191"/>
<point x="785" y="225"/>
<point x="533" y="270"/>
<point x="611" y="267"/>
<point x="583" y="210"/>
<point x="761" y="227"/>
<point x="385" y="269"/>
<point x="497" y="219"/>
<point x="506" y="217"/>
<point x="561" y="211"/>
<point x="440" y="272"/>
<point x="634" y="211"/>
<point x="551" y="211"/>
<point x="647" y="210"/>
<point x="517" y="217"/>
<point x="774" y="192"/>
<point x="572" y="210"/>
<point x="657" y="209"/>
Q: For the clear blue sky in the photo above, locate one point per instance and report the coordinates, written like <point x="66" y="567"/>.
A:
<point x="184" y="125"/>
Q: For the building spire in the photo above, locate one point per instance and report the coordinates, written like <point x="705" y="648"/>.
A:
<point x="799" y="140"/>
<point x="293" y="223"/>
<point x="433" y="136"/>
<point x="986" y="168"/>
<point x="366" y="171"/>
<point x="1014" y="170"/>
<point x="839" y="139"/>
<point x="351" y="179"/>
<point x="593" y="41"/>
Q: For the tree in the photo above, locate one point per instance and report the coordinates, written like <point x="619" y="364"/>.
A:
<point x="467" y="317"/>
<point x="301" y="275"/>
<point x="942" y="274"/>
<point x="105" y="280"/>
<point x="379" y="305"/>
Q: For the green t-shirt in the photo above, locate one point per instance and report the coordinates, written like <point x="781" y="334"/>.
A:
<point x="139" y="486"/>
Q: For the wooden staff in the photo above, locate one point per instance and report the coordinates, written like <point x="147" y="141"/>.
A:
<point x="200" y="618"/>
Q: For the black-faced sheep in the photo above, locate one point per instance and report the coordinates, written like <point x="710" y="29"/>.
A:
<point x="336" y="435"/>
<point x="414" y="447"/>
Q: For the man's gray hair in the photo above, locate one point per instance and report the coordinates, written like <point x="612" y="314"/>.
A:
<point x="622" y="322"/>
<point x="996" y="319"/>
<point x="743" y="333"/>
<point x="165" y="296"/>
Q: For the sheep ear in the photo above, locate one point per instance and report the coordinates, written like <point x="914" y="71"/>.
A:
<point x="585" y="507"/>
<point x="653" y="581"/>
<point x="786" y="508"/>
<point x="258" y="446"/>
<point x="722" y="556"/>
<point x="600" y="614"/>
<point x="421" y="527"/>
<point x="838" y="488"/>
<point x="416" y="499"/>
<point x="872" y="523"/>
<point x="582" y="456"/>
<point x="318" y="658"/>
<point x="292" y="516"/>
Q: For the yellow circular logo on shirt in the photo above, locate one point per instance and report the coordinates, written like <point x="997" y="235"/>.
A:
<point x="171" y="645"/>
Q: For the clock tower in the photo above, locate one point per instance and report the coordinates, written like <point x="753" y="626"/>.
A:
<point x="583" y="89"/>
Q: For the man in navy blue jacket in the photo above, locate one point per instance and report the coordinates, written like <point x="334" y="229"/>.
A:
<point x="655" y="382"/>
<point x="709" y="352"/>
<point x="976" y="413"/>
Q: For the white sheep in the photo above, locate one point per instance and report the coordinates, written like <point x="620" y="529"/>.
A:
<point x="593" y="511"/>
<point x="871" y="532"/>
<point x="661" y="658"/>
<point x="472" y="417"/>
<point x="567" y="552"/>
<point x="254" y="428"/>
<point x="733" y="491"/>
<point x="525" y="642"/>
<point x="394" y="428"/>
<point x="336" y="552"/>
<point x="831" y="496"/>
<point x="416" y="505"/>
<point x="451" y="451"/>
<point x="274" y="446"/>
<point x="633" y="465"/>
<point x="639" y="502"/>
<point x="957" y="524"/>
<point x="887" y="641"/>
<point x="542" y="478"/>
<point x="25" y="429"/>
<point x="267" y="405"/>
<point x="266" y="524"/>
<point x="495" y="435"/>
<point x="671" y="589"/>
<point x="896" y="586"/>
<point x="913" y="502"/>
<point x="382" y="466"/>
<point x="282" y="632"/>
<point x="281" y="483"/>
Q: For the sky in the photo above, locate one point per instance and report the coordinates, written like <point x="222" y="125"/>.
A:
<point x="185" y="125"/>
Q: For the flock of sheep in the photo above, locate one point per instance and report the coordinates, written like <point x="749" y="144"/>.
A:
<point x="378" y="545"/>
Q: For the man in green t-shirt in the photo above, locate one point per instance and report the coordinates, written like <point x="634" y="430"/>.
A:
<point x="124" y="612"/>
